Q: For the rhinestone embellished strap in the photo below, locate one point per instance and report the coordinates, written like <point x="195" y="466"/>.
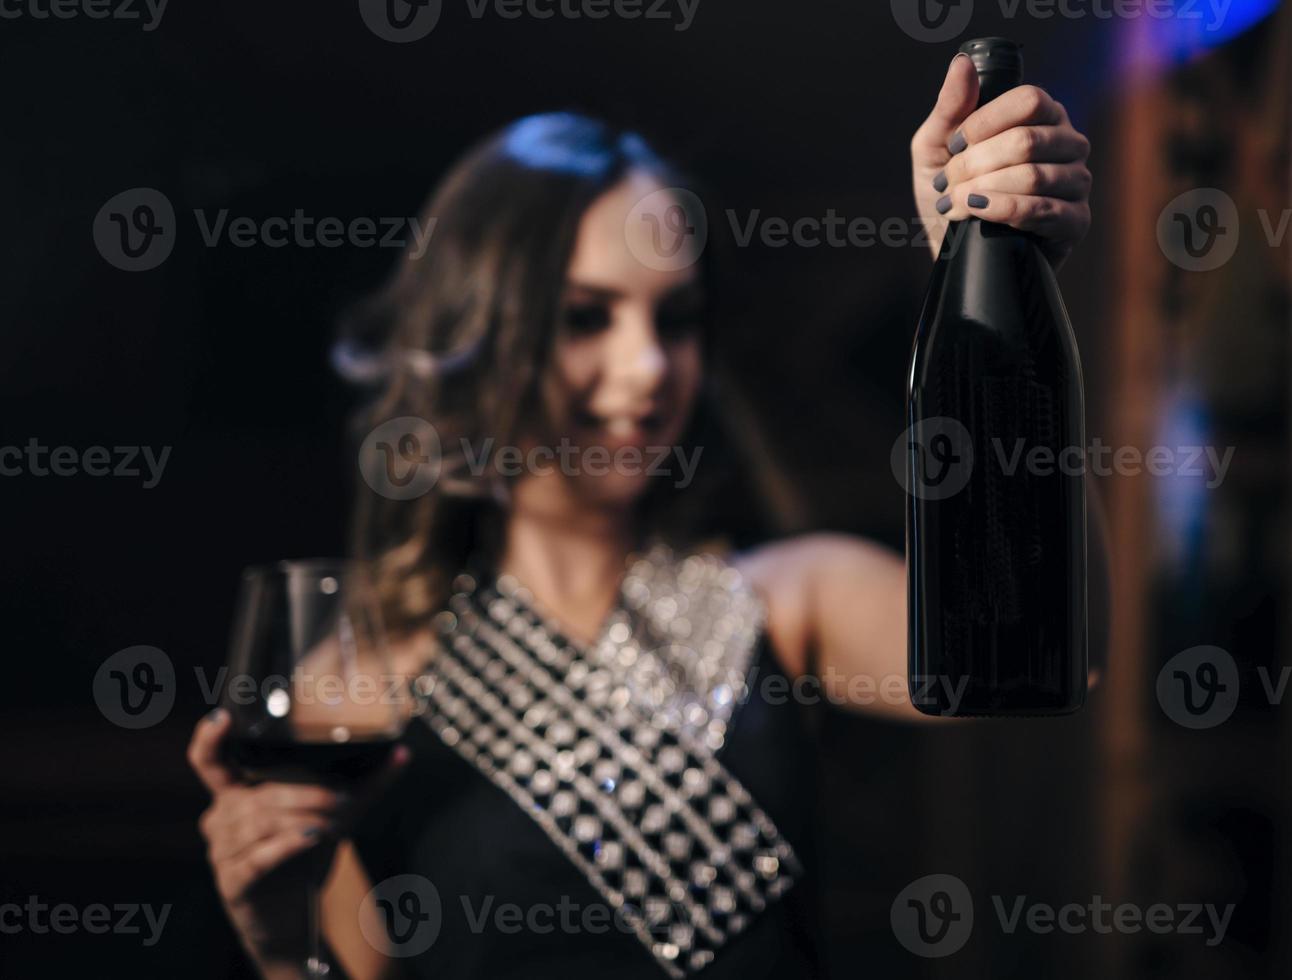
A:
<point x="612" y="748"/>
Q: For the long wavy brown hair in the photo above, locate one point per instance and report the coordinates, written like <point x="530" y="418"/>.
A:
<point x="461" y="336"/>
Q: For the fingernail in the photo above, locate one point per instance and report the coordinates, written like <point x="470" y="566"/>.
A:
<point x="944" y="204"/>
<point x="977" y="201"/>
<point x="312" y="832"/>
<point x="940" y="181"/>
<point x="959" y="55"/>
<point x="957" y="144"/>
<point x="216" y="716"/>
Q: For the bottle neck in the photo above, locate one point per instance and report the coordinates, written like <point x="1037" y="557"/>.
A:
<point x="993" y="84"/>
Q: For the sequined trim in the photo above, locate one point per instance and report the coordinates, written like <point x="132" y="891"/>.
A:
<point x="612" y="748"/>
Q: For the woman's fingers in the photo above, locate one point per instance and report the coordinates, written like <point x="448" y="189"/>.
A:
<point x="296" y="796"/>
<point x="1053" y="219"/>
<point x="1017" y="160"/>
<point x="1066" y="181"/>
<point x="253" y="829"/>
<point x="249" y="815"/>
<point x="1022" y="144"/>
<point x="204" y="750"/>
<point x="238" y="875"/>
<point x="258" y="826"/>
<point x="1025" y="105"/>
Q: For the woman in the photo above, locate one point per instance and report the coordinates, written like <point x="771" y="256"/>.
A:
<point x="608" y="776"/>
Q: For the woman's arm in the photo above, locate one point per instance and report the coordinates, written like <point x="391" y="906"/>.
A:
<point x="836" y="610"/>
<point x="343" y="912"/>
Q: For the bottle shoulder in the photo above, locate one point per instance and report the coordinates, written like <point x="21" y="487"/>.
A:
<point x="993" y="306"/>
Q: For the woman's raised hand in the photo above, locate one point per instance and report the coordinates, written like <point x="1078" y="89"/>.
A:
<point x="1017" y="160"/>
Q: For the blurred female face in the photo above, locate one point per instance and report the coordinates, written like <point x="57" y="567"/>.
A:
<point x="627" y="361"/>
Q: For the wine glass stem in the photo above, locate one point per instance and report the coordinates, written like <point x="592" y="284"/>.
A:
<point x="316" y="967"/>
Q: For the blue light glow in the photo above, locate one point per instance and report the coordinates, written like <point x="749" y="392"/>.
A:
<point x="1196" y="25"/>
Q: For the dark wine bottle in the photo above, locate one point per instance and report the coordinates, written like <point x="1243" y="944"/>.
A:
<point x="996" y="505"/>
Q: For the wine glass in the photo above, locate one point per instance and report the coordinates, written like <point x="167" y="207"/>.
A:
<point x="310" y="687"/>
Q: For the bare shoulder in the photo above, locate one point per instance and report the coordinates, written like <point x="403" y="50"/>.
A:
<point x="800" y="577"/>
<point x="792" y="563"/>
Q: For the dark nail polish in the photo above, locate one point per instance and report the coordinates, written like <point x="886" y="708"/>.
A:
<point x="977" y="201"/>
<point x="958" y="143"/>
<point x="215" y="716"/>
<point x="312" y="832"/>
<point x="944" y="204"/>
<point x="940" y="181"/>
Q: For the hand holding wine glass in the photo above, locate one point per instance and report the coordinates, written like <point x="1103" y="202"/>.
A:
<point x="304" y="743"/>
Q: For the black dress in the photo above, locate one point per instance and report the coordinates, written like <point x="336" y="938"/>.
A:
<point x="515" y="892"/>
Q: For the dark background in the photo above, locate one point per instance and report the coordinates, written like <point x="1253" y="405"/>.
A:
<point x="222" y="354"/>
